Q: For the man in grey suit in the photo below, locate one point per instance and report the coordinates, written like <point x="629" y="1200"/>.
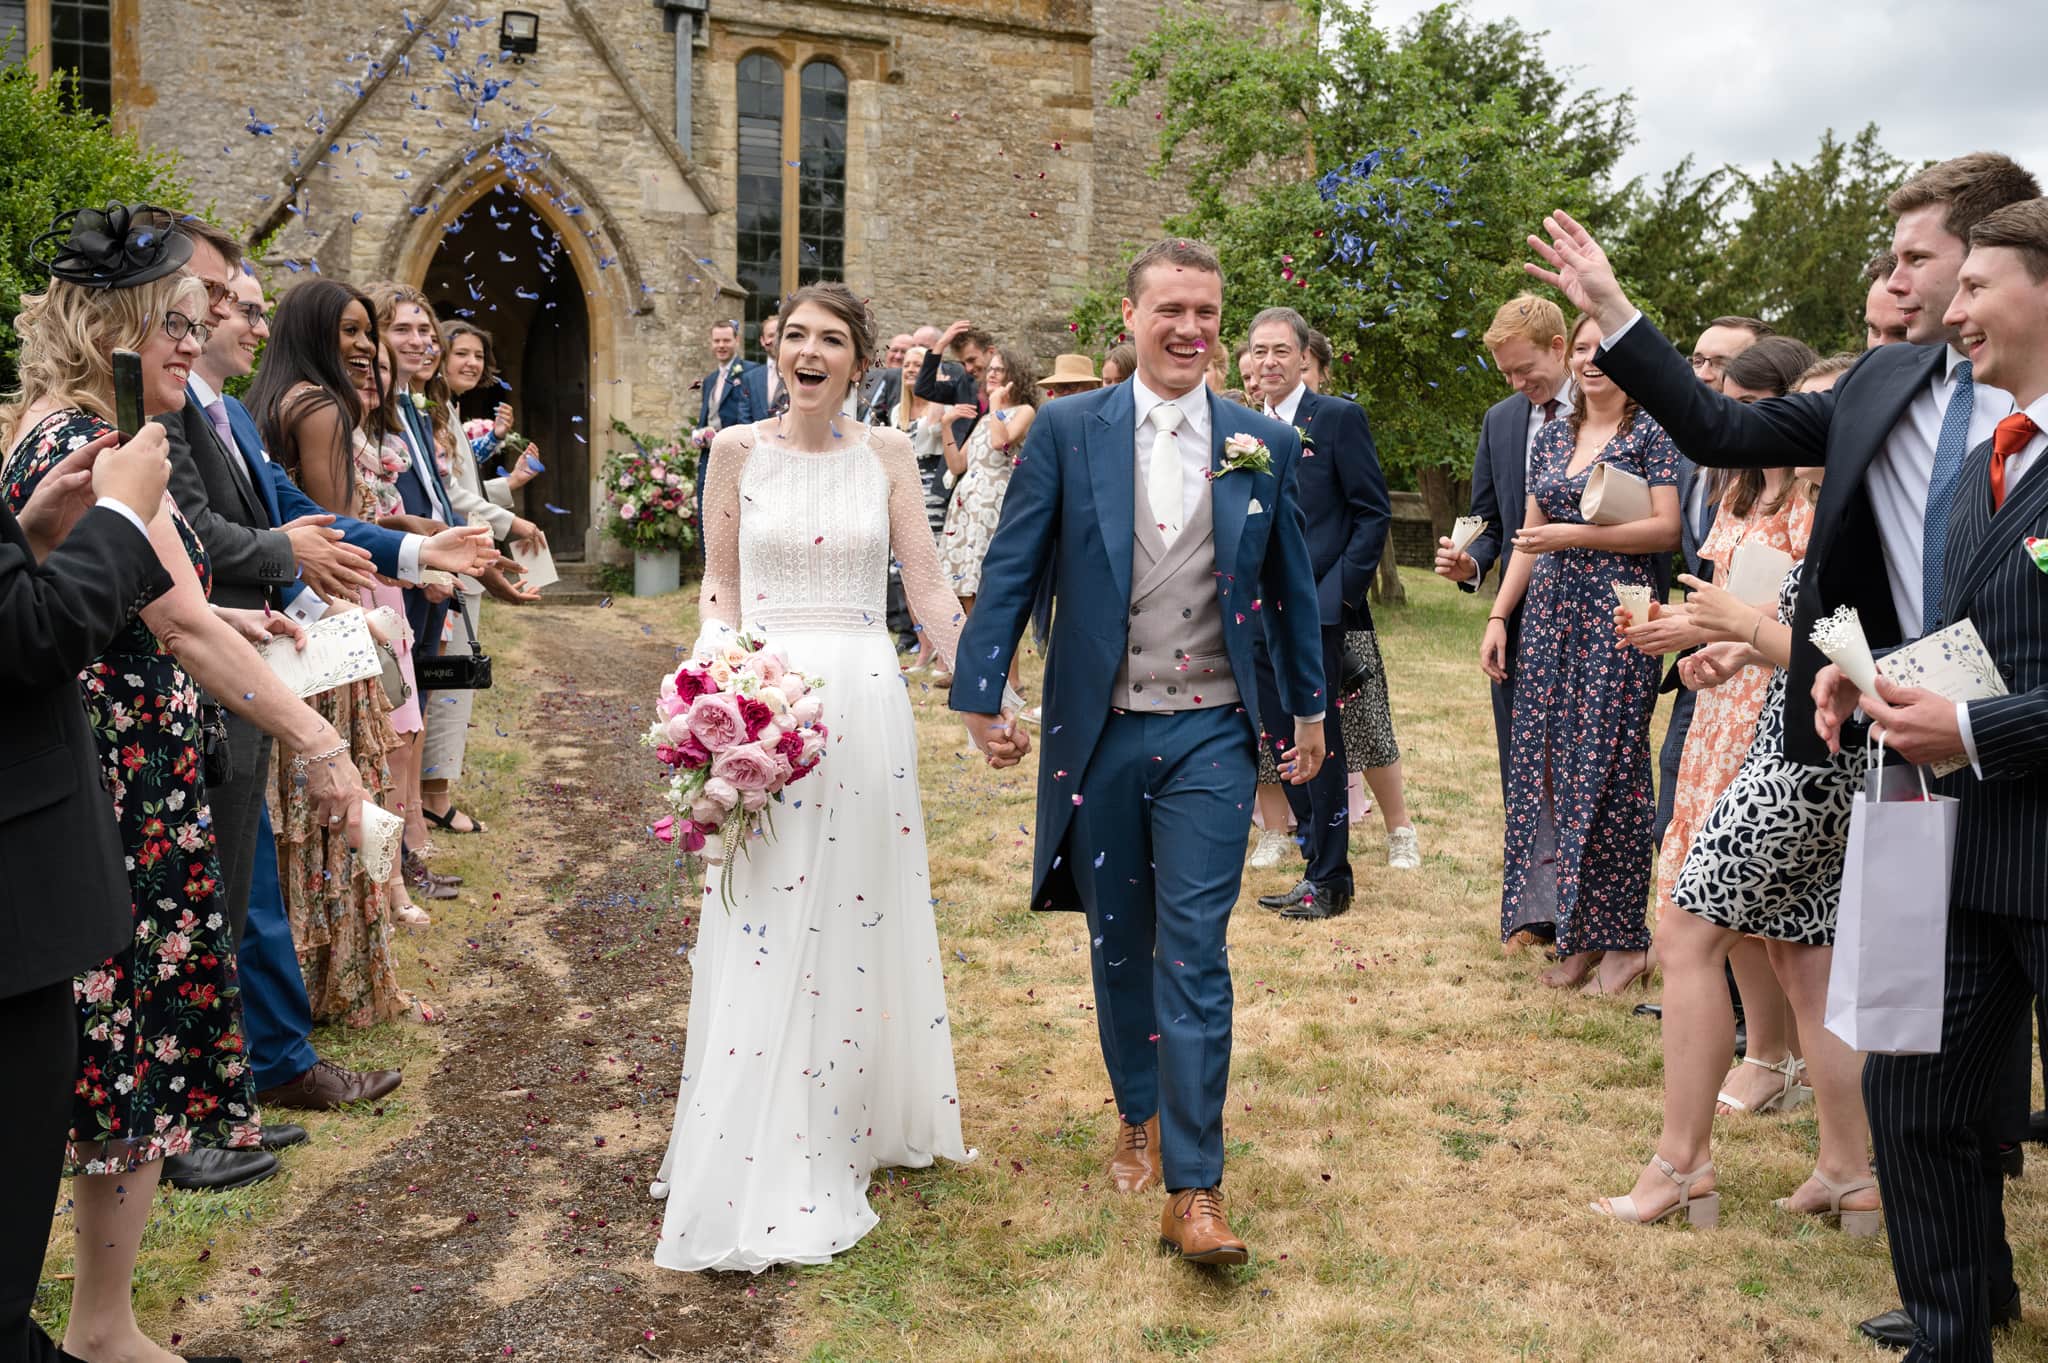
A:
<point x="1527" y="342"/>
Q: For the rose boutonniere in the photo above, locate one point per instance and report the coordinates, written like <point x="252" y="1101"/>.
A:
<point x="1301" y="434"/>
<point x="1244" y="453"/>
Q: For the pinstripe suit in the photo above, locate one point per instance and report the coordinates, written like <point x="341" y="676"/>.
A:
<point x="1926" y="1112"/>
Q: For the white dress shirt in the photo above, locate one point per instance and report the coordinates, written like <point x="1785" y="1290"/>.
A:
<point x="1193" y="439"/>
<point x="1289" y="405"/>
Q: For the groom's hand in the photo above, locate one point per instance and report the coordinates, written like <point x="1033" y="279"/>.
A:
<point x="1305" y="758"/>
<point x="999" y="738"/>
<point x="1579" y="270"/>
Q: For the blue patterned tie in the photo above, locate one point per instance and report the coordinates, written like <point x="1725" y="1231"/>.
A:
<point x="1949" y="453"/>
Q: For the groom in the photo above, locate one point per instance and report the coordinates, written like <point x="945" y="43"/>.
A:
<point x="1168" y="523"/>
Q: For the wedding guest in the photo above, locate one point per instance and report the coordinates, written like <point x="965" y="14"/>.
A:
<point x="1119" y="364"/>
<point x="160" y="1072"/>
<point x="963" y="396"/>
<point x="1070" y="374"/>
<point x="1578" y="846"/>
<point x="1346" y="515"/>
<point x="1217" y="375"/>
<point x="726" y="397"/>
<point x="75" y="566"/>
<point x="882" y="389"/>
<point x="1243" y="360"/>
<point x="927" y="426"/>
<point x="1767" y="863"/>
<point x="1320" y="358"/>
<point x="981" y="471"/>
<point x="309" y="410"/>
<point x="1883" y="323"/>
<point x="764" y="382"/>
<point x="1526" y="341"/>
<point x="1895" y="433"/>
<point x="472" y="365"/>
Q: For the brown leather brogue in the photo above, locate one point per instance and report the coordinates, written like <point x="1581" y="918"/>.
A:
<point x="1134" y="1165"/>
<point x="328" y="1086"/>
<point x="1193" y="1226"/>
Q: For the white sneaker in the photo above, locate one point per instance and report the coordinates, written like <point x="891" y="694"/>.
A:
<point x="1271" y="847"/>
<point x="1404" y="852"/>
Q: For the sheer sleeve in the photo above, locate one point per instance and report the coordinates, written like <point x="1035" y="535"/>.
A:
<point x="719" y="599"/>
<point x="932" y="603"/>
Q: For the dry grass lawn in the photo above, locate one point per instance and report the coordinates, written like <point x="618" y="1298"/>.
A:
<point x="1414" y="1124"/>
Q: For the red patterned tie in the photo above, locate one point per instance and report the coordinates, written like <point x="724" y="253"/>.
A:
<point x="2009" y="439"/>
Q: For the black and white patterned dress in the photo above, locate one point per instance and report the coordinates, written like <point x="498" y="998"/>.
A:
<point x="1767" y="861"/>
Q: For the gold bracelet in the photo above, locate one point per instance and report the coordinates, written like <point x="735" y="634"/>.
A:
<point x="1759" y="629"/>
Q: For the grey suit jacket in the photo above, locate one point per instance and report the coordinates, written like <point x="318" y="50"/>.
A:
<point x="250" y="561"/>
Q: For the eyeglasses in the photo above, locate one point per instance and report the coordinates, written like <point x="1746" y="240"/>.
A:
<point x="178" y="326"/>
<point x="1709" y="363"/>
<point x="217" y="293"/>
<point x="253" y="314"/>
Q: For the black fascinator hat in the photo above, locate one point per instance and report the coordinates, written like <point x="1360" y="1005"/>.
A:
<point x="117" y="247"/>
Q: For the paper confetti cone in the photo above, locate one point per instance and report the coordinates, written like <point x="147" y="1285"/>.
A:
<point x="1840" y="637"/>
<point x="1464" y="530"/>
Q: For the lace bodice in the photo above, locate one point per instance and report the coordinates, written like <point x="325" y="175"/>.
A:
<point x="796" y="540"/>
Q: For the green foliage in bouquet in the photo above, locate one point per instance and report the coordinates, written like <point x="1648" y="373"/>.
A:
<point x="650" y="490"/>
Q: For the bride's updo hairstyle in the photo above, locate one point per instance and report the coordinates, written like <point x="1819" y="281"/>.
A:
<point x="844" y="304"/>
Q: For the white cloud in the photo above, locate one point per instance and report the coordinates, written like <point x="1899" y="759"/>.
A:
<point x="1752" y="81"/>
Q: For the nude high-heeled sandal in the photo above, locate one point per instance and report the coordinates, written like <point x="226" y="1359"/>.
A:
<point x="1791" y="1093"/>
<point x="1857" y="1225"/>
<point x="1703" y="1211"/>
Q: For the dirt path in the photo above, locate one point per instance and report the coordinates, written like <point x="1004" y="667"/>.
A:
<point x="515" y="1222"/>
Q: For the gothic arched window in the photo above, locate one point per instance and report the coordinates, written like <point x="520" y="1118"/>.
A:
<point x="791" y="196"/>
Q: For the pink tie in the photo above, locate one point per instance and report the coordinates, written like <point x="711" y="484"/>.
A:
<point x="217" y="413"/>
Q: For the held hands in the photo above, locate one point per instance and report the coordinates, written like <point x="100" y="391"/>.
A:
<point x="1917" y="724"/>
<point x="999" y="737"/>
<point x="1579" y="269"/>
<point x="1493" y="650"/>
<point x="1454" y="565"/>
<point x="463" y="549"/>
<point x="1300" y="763"/>
<point x="1834" y="700"/>
<point x="1548" y="537"/>
<point x="327" y="563"/>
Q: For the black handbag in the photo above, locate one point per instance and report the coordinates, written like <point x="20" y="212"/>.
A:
<point x="217" y="760"/>
<point x="469" y="671"/>
<point x="1352" y="673"/>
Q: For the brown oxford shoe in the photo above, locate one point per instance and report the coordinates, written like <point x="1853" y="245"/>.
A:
<point x="1134" y="1166"/>
<point x="1193" y="1226"/>
<point x="328" y="1086"/>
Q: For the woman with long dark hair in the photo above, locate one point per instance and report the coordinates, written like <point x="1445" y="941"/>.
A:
<point x="323" y="345"/>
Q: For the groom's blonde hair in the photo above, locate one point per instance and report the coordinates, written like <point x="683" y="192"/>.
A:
<point x="1182" y="253"/>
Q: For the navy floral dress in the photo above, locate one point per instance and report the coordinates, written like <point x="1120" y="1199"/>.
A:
<point x="1580" y="810"/>
<point x="162" y="1066"/>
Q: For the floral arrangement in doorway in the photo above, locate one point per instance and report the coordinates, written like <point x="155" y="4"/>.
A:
<point x="650" y="489"/>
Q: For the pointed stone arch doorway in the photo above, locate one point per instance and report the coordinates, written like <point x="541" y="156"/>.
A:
<point x="504" y="253"/>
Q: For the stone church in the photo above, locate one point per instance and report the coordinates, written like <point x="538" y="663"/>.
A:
<point x="597" y="181"/>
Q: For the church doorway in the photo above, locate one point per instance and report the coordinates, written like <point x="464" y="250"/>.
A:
<point x="501" y="266"/>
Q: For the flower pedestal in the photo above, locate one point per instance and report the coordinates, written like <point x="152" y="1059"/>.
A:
<point x="656" y="571"/>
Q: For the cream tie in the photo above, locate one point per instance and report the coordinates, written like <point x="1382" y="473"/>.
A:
<point x="1163" y="475"/>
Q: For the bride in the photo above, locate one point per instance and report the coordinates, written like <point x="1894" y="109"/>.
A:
<point x="818" y="1048"/>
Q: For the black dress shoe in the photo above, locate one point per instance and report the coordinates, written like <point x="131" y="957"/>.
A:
<point x="2037" y="1128"/>
<point x="1302" y="890"/>
<point x="282" y="1135"/>
<point x="212" y="1170"/>
<point x="1321" y="901"/>
<point x="2012" y="1160"/>
<point x="1894" y="1329"/>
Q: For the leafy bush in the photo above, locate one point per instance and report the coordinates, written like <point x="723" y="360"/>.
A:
<point x="54" y="156"/>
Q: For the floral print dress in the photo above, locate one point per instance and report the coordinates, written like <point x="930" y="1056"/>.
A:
<point x="162" y="1064"/>
<point x="1580" y="811"/>
<point x="976" y="508"/>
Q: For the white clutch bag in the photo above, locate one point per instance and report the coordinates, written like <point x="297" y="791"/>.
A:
<point x="1614" y="496"/>
<point x="1757" y="572"/>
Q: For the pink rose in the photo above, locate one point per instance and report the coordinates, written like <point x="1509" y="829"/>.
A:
<point x="722" y="793"/>
<point x="667" y="756"/>
<point x="807" y="711"/>
<point x="793" y="687"/>
<point x="755" y="801"/>
<point x="677" y="729"/>
<point x="791" y="747"/>
<point x="716" y="722"/>
<point x="695" y="754"/>
<point x="748" y="767"/>
<point x="814" y="743"/>
<point x="769" y="665"/>
<point x="707" y="811"/>
<point x="770" y="735"/>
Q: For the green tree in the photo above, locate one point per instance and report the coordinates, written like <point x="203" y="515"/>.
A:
<point x="1798" y="256"/>
<point x="54" y="156"/>
<point x="1671" y="248"/>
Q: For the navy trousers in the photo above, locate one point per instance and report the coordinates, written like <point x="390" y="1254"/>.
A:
<point x="1930" y="1116"/>
<point x="1158" y="856"/>
<point x="276" y="1013"/>
<point x="1667" y="759"/>
<point x="1322" y="808"/>
<point x="1504" y="703"/>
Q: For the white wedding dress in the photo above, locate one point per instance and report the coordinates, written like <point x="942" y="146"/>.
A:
<point x="818" y="1048"/>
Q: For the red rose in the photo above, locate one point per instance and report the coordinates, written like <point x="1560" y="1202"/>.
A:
<point x="691" y="684"/>
<point x="695" y="754"/>
<point x="757" y="715"/>
<point x="791" y="746"/>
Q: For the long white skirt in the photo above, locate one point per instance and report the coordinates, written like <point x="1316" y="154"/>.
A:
<point x="818" y="1047"/>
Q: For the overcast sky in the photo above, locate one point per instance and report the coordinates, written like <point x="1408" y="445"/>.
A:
<point x="1749" y="81"/>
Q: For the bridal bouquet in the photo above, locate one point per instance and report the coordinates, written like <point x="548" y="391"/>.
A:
<point x="737" y="725"/>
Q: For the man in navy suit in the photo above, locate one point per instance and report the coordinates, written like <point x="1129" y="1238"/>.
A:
<point x="1527" y="342"/>
<point x="1895" y="435"/>
<point x="1346" y="513"/>
<point x="1167" y="519"/>
<point x="765" y="393"/>
<point x="726" y="397"/>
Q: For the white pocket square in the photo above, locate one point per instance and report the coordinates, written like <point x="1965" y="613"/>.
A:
<point x="1254" y="509"/>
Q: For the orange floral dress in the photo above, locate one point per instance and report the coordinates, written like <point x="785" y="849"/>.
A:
<point x="1724" y="717"/>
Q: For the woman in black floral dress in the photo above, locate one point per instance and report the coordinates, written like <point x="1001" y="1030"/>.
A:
<point x="162" y="1066"/>
<point x="1578" y="849"/>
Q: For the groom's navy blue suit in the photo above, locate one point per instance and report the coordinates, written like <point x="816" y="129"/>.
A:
<point x="1142" y="814"/>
